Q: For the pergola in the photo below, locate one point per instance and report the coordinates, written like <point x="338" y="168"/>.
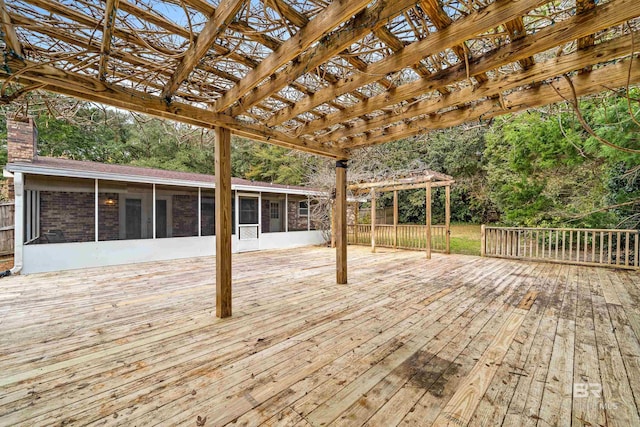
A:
<point x="321" y="77"/>
<point x="427" y="180"/>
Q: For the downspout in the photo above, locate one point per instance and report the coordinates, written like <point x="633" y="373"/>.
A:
<point x="18" y="220"/>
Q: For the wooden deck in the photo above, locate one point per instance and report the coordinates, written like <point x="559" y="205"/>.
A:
<point x="455" y="340"/>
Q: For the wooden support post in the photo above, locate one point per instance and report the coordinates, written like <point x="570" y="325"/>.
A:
<point x="447" y="218"/>
<point x="483" y="240"/>
<point x="395" y="219"/>
<point x="428" y="220"/>
<point x="341" y="222"/>
<point x="223" y="221"/>
<point x="373" y="221"/>
<point x="356" y="214"/>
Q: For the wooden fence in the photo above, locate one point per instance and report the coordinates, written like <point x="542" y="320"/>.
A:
<point x="610" y="248"/>
<point x="412" y="237"/>
<point x="6" y="228"/>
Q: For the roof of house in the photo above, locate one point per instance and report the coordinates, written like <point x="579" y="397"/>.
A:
<point x="94" y="170"/>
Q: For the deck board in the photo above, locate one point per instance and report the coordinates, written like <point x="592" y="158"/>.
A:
<point x="406" y="342"/>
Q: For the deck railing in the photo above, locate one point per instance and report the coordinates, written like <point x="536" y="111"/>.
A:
<point x="412" y="237"/>
<point x="604" y="247"/>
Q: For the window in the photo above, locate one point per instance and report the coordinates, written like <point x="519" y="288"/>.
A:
<point x="208" y="213"/>
<point x="303" y="208"/>
<point x="248" y="210"/>
<point x="32" y="215"/>
<point x="274" y="210"/>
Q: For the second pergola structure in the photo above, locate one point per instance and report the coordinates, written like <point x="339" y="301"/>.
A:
<point x="428" y="181"/>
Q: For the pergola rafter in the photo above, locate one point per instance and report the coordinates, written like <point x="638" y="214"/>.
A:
<point x="14" y="46"/>
<point x="336" y="13"/>
<point x="452" y="35"/>
<point x="321" y="77"/>
<point x="225" y="12"/>
<point x="110" y="9"/>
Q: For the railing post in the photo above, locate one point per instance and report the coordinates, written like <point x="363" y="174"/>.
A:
<point x="333" y="225"/>
<point x="447" y="218"/>
<point x="428" y="220"/>
<point x="356" y="214"/>
<point x="395" y="219"/>
<point x="483" y="241"/>
<point x="373" y="221"/>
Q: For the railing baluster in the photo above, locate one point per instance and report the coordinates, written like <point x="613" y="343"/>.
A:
<point x="626" y="251"/>
<point x="589" y="245"/>
<point x="601" y="246"/>
<point x="570" y="245"/>
<point x="586" y="246"/>
<point x="530" y="244"/>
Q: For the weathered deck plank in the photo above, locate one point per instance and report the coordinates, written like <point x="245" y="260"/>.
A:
<point x="139" y="345"/>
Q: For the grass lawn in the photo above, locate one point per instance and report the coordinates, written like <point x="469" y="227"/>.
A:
<point x="465" y="239"/>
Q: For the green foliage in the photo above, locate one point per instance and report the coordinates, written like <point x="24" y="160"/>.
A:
<point x="544" y="169"/>
<point x="540" y="168"/>
<point x="102" y="136"/>
<point x="268" y="163"/>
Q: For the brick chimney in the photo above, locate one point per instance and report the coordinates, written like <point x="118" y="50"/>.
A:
<point x="22" y="140"/>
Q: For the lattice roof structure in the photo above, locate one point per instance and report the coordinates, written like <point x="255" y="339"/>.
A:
<point x="321" y="76"/>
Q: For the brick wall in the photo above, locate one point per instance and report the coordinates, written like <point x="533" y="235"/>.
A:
<point x="22" y="139"/>
<point x="296" y="222"/>
<point x="265" y="217"/>
<point x="208" y="217"/>
<point x="185" y="215"/>
<point x="108" y="217"/>
<point x="70" y="212"/>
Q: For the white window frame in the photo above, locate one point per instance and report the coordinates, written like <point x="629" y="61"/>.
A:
<point x="32" y="215"/>
<point x="300" y="214"/>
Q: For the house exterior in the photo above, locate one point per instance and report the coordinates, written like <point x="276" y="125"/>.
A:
<point x="75" y="214"/>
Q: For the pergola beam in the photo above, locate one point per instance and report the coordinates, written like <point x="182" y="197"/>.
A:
<point x="434" y="184"/>
<point x="440" y="19"/>
<point x="605" y="78"/>
<point x="563" y="32"/>
<point x="537" y="73"/>
<point x="337" y="12"/>
<point x="11" y="37"/>
<point x="455" y="34"/>
<point x="420" y="179"/>
<point x="582" y="7"/>
<point x="110" y="11"/>
<point x="517" y="31"/>
<point x="93" y="90"/>
<point x="370" y="19"/>
<point x="222" y="16"/>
